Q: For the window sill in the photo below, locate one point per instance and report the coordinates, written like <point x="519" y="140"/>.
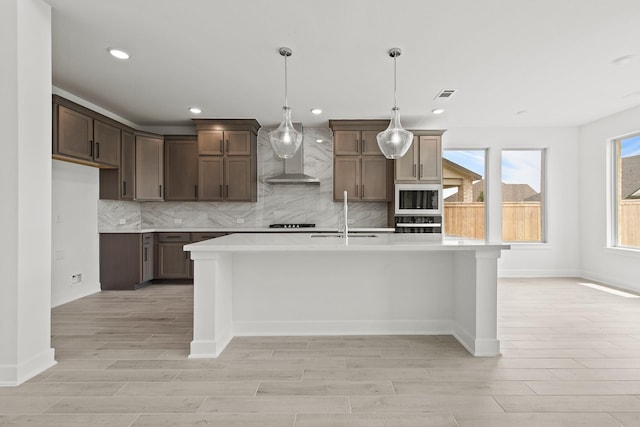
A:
<point x="630" y="252"/>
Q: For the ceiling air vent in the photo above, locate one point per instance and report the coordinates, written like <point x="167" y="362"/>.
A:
<point x="445" y="93"/>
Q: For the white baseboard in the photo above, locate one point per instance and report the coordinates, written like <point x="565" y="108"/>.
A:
<point x="514" y="273"/>
<point x="14" y="375"/>
<point x="302" y="328"/>
<point x="201" y="349"/>
<point x="611" y="280"/>
<point x="477" y="347"/>
<point x="78" y="292"/>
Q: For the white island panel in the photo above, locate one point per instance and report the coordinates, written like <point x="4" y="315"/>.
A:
<point x="283" y="284"/>
<point x="330" y="294"/>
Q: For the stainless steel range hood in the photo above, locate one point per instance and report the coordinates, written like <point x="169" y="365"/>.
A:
<point x="293" y="172"/>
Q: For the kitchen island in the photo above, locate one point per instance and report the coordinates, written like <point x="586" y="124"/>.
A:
<point x="326" y="284"/>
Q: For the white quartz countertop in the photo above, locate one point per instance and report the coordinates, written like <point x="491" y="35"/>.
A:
<point x="279" y="242"/>
<point x="251" y="230"/>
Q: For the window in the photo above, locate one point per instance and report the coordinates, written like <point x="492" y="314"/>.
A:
<point x="627" y="191"/>
<point x="464" y="193"/>
<point x="523" y="196"/>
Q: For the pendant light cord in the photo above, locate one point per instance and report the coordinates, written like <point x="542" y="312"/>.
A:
<point x="285" y="81"/>
<point x="394" y="82"/>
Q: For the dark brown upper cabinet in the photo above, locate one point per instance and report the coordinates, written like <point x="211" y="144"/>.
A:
<point x="149" y="167"/>
<point x="359" y="166"/>
<point x="119" y="184"/>
<point x="220" y="143"/>
<point x="227" y="159"/>
<point x="423" y="161"/>
<point x="181" y="168"/>
<point x="84" y="136"/>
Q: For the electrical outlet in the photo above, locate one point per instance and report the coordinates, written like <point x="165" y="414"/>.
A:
<point x="76" y="279"/>
<point x="59" y="254"/>
<point x="177" y="220"/>
<point x="122" y="221"/>
<point x="240" y="221"/>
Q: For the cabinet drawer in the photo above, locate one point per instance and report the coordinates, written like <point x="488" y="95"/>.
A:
<point x="199" y="237"/>
<point x="174" y="237"/>
<point x="147" y="238"/>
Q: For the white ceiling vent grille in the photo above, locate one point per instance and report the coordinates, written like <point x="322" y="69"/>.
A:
<point x="445" y="93"/>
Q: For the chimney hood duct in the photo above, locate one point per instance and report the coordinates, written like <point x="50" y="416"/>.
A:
<point x="294" y="168"/>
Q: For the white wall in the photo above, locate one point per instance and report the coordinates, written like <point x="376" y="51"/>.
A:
<point x="74" y="221"/>
<point x="597" y="262"/>
<point x="75" y="239"/>
<point x="559" y="255"/>
<point x="25" y="184"/>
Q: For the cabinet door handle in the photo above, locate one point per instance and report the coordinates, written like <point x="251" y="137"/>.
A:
<point x="421" y="170"/>
<point x="97" y="150"/>
<point x="124" y="188"/>
<point x="414" y="170"/>
<point x="196" y="191"/>
<point x="363" y="191"/>
<point x="227" y="191"/>
<point x="220" y="190"/>
<point x="90" y="148"/>
<point x="145" y="254"/>
<point x="357" y="191"/>
<point x="160" y="190"/>
<point x="221" y="147"/>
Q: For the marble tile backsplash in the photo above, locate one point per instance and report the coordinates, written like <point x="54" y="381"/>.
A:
<point x="276" y="203"/>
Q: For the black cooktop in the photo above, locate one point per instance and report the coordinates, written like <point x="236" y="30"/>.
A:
<point x="292" y="225"/>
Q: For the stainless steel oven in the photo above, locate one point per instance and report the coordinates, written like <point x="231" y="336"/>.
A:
<point x="428" y="224"/>
<point x="418" y="199"/>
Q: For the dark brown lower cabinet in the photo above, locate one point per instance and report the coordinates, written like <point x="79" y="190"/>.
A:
<point x="131" y="260"/>
<point x="173" y="261"/>
<point x="126" y="260"/>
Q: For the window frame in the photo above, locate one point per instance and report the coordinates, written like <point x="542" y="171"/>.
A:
<point x="614" y="149"/>
<point x="544" y="199"/>
<point x="487" y="191"/>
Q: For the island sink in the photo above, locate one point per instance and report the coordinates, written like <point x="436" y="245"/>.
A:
<point x="340" y="235"/>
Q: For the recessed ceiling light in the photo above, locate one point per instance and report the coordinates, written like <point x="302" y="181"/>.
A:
<point x="521" y="112"/>
<point x="319" y="140"/>
<point x="437" y="111"/>
<point x="624" y="60"/>
<point x="120" y="54"/>
<point x="195" y="110"/>
<point x="316" y="111"/>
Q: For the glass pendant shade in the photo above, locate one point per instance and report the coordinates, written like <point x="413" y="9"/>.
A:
<point x="285" y="139"/>
<point x="395" y="141"/>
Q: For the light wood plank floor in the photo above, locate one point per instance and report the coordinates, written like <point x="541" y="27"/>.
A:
<point x="571" y="356"/>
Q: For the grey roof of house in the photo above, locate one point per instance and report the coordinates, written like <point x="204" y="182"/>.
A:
<point x="631" y="177"/>
<point x="510" y="193"/>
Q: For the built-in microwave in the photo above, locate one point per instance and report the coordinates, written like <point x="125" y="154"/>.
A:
<point x="418" y="199"/>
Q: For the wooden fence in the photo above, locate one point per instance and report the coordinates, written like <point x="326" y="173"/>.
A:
<point x="629" y="223"/>
<point x="464" y="220"/>
<point x="521" y="222"/>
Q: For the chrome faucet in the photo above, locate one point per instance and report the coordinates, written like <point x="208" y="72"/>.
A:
<point x="346" y="219"/>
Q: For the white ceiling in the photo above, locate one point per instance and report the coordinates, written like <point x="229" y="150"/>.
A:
<point x="551" y="58"/>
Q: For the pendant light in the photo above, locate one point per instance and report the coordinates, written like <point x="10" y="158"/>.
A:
<point x="395" y="141"/>
<point x="285" y="140"/>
